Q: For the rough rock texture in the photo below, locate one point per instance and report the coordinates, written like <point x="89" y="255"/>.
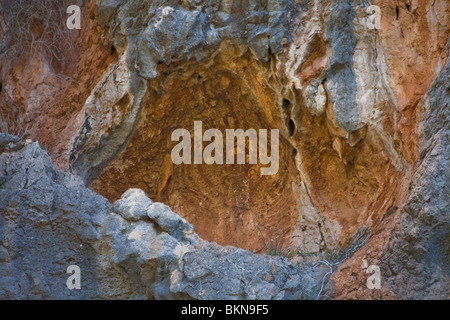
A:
<point x="312" y="69"/>
<point x="412" y="246"/>
<point x="132" y="249"/>
<point x="362" y="114"/>
<point x="41" y="96"/>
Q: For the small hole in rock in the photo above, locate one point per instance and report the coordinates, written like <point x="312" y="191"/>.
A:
<point x="286" y="103"/>
<point x="291" y="127"/>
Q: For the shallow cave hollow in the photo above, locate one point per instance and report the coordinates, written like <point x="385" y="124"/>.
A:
<point x="231" y="204"/>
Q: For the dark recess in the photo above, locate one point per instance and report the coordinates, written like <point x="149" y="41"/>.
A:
<point x="291" y="127"/>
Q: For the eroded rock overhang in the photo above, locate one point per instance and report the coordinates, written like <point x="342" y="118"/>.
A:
<point x="315" y="71"/>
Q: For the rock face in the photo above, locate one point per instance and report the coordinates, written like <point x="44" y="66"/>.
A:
<point x="132" y="249"/>
<point x="357" y="89"/>
<point x="411" y="247"/>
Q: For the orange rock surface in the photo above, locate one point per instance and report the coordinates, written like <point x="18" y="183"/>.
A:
<point x="333" y="180"/>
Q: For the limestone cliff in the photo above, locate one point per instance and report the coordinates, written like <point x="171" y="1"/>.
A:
<point x="359" y="91"/>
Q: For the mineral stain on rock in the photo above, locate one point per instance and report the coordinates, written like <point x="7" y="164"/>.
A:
<point x="363" y="120"/>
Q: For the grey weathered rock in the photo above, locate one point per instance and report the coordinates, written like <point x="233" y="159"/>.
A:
<point x="417" y="258"/>
<point x="216" y="272"/>
<point x="411" y="245"/>
<point x="133" y="249"/>
<point x="342" y="78"/>
<point x="171" y="223"/>
<point x="318" y="56"/>
<point x="133" y="205"/>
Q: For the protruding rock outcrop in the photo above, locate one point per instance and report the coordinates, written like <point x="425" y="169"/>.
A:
<point x="132" y="249"/>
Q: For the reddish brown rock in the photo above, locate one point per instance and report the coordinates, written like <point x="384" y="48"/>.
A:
<point x="345" y="97"/>
<point x="43" y="96"/>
